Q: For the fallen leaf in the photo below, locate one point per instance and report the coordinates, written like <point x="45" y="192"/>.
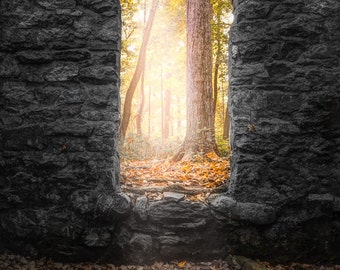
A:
<point x="182" y="264"/>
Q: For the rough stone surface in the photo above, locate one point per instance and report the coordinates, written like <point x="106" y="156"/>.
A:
<point x="59" y="120"/>
<point x="59" y="116"/>
<point x="251" y="212"/>
<point x="284" y="96"/>
<point x="173" y="196"/>
<point x="284" y="105"/>
<point x="170" y="229"/>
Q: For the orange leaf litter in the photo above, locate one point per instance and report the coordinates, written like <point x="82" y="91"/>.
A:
<point x="209" y="171"/>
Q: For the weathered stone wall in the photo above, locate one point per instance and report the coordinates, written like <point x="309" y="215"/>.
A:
<point x="284" y="105"/>
<point x="59" y="118"/>
<point x="284" y="99"/>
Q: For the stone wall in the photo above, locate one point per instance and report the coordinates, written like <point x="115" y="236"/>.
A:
<point x="59" y="118"/>
<point x="284" y="104"/>
<point x="284" y="99"/>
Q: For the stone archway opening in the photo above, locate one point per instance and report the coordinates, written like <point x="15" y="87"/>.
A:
<point x="59" y="116"/>
<point x="162" y="93"/>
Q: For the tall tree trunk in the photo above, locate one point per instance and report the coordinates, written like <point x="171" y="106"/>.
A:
<point x="215" y="87"/>
<point x="200" y="134"/>
<point x="162" y="104"/>
<point x="137" y="74"/>
<point x="226" y="125"/>
<point x="217" y="61"/>
<point x="149" y="112"/>
<point x="166" y="125"/>
<point x="139" y="116"/>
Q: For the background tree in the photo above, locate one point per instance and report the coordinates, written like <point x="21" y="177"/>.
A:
<point x="138" y="72"/>
<point x="139" y="116"/>
<point x="130" y="38"/>
<point x="200" y="133"/>
<point x="220" y="25"/>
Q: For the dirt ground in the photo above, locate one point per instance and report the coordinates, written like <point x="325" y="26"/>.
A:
<point x="14" y="262"/>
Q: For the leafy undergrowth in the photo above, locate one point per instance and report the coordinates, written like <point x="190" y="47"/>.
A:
<point x="196" y="178"/>
<point x="13" y="262"/>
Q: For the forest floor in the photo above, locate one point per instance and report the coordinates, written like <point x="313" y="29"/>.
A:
<point x="14" y="262"/>
<point x="196" y="178"/>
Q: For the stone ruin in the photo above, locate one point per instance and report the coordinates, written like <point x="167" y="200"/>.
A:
<point x="60" y="195"/>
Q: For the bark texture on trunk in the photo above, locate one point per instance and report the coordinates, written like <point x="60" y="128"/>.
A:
<point x="200" y="134"/>
<point x="140" y="112"/>
<point x="226" y="125"/>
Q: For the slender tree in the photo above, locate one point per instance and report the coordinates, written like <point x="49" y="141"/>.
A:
<point x="220" y="25"/>
<point x="167" y="114"/>
<point x="139" y="116"/>
<point x="200" y="134"/>
<point x="218" y="58"/>
<point x="140" y="112"/>
<point x="226" y="125"/>
<point x="129" y="37"/>
<point x="137" y="74"/>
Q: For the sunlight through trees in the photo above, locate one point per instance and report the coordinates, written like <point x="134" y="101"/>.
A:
<point x="157" y="108"/>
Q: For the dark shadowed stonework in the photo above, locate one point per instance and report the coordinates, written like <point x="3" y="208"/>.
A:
<point x="59" y="119"/>
<point x="285" y="110"/>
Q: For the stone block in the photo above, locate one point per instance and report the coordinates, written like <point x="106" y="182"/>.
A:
<point x="278" y="70"/>
<point x="250" y="212"/>
<point x="113" y="205"/>
<point x="290" y="51"/>
<point x="107" y="31"/>
<point x="102" y="95"/>
<point x="254" y="9"/>
<point x="61" y="94"/>
<point x="250" y="52"/>
<point x="59" y="72"/>
<point x="64" y="224"/>
<point x="100" y="144"/>
<point x="177" y="216"/>
<point x="103" y="6"/>
<point x="73" y="128"/>
<point x="42" y="17"/>
<point x="72" y="55"/>
<point x="57" y="4"/>
<point x="249" y="70"/>
<point x="141" y="248"/>
<point x="100" y="115"/>
<point x="21" y="139"/>
<point x="83" y="27"/>
<point x="99" y="45"/>
<point x="34" y="57"/>
<point x="17" y="93"/>
<point x="98" y="74"/>
<point x="97" y="237"/>
<point x="247" y="31"/>
<point x="69" y="12"/>
<point x="141" y="208"/>
<point x="46" y="36"/>
<point x="9" y="67"/>
<point x="173" y="196"/>
<point x="25" y="223"/>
